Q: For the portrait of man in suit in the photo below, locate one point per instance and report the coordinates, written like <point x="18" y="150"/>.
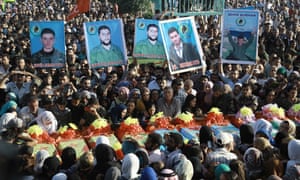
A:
<point x="181" y="54"/>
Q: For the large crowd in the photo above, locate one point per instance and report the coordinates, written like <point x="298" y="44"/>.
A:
<point x="77" y="94"/>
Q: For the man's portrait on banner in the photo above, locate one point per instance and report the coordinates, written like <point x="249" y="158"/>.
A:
<point x="182" y="46"/>
<point x="47" y="44"/>
<point x="148" y="46"/>
<point x="239" y="36"/>
<point x="105" y="43"/>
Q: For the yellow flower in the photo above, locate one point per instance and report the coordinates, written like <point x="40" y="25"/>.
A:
<point x="156" y="116"/>
<point x="245" y="111"/>
<point x="215" y="110"/>
<point x="99" y="123"/>
<point x="73" y="126"/>
<point x="131" y="121"/>
<point x="117" y="146"/>
<point x="35" y="129"/>
<point x="296" y="107"/>
<point x="62" y="129"/>
<point x="186" y="117"/>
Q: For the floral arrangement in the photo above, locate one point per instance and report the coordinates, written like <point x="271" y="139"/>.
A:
<point x="37" y="133"/>
<point x="215" y="117"/>
<point x="246" y="115"/>
<point x="185" y="119"/>
<point x="67" y="132"/>
<point x="100" y="126"/>
<point x="129" y="126"/>
<point x="97" y="127"/>
<point x="294" y="112"/>
<point x="117" y="146"/>
<point x="271" y="111"/>
<point x="159" y="121"/>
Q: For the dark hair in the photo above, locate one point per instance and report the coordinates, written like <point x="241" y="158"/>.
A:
<point x="178" y="139"/>
<point x="151" y="25"/>
<point x="103" y="27"/>
<point x="172" y="29"/>
<point x="61" y="101"/>
<point x="68" y="157"/>
<point x="47" y="31"/>
<point x="155" y="138"/>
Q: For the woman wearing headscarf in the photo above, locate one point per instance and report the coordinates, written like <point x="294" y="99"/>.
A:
<point x="293" y="165"/>
<point x="39" y="160"/>
<point x="8" y="106"/>
<point x="220" y="169"/>
<point x="263" y="127"/>
<point x="130" y="167"/>
<point x="143" y="156"/>
<point x="7" y="113"/>
<point x="204" y="99"/>
<point x="68" y="157"/>
<point x="47" y="121"/>
<point x="106" y="158"/>
<point x="271" y="157"/>
<point x="289" y="127"/>
<point x="253" y="159"/>
<point x="206" y="139"/>
<point x="148" y="173"/>
<point x="118" y="114"/>
<point x="247" y="137"/>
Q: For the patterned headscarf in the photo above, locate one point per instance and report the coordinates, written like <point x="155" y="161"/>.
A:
<point x="253" y="159"/>
<point x="262" y="125"/>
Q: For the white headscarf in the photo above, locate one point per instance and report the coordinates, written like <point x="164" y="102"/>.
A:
<point x="130" y="166"/>
<point x="102" y="140"/>
<point x="293" y="152"/>
<point x="47" y="121"/>
<point x="39" y="160"/>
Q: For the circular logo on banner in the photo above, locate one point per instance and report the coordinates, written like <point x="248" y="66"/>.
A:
<point x="240" y="21"/>
<point x="35" y="30"/>
<point x="92" y="30"/>
<point x="141" y="25"/>
<point x="184" y="29"/>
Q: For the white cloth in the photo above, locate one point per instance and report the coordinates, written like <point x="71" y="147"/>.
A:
<point x="39" y="160"/>
<point x="155" y="156"/>
<point x="130" y="166"/>
<point x="47" y="122"/>
<point x="102" y="140"/>
<point x="293" y="152"/>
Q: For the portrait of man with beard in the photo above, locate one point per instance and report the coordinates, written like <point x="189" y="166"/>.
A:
<point x="150" y="47"/>
<point x="106" y="52"/>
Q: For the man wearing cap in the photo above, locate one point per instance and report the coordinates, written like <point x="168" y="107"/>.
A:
<point x="222" y="154"/>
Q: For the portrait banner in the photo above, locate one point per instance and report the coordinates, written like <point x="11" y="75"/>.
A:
<point x="105" y="43"/>
<point x="182" y="46"/>
<point x="47" y="44"/>
<point x="239" y="40"/>
<point x="148" y="44"/>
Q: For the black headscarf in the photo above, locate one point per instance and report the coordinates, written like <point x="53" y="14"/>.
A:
<point x="205" y="135"/>
<point x="106" y="158"/>
<point x="246" y="134"/>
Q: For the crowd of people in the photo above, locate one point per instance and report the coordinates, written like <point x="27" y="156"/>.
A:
<point x="77" y="94"/>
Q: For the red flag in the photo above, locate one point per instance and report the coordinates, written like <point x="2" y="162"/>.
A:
<point x="82" y="6"/>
